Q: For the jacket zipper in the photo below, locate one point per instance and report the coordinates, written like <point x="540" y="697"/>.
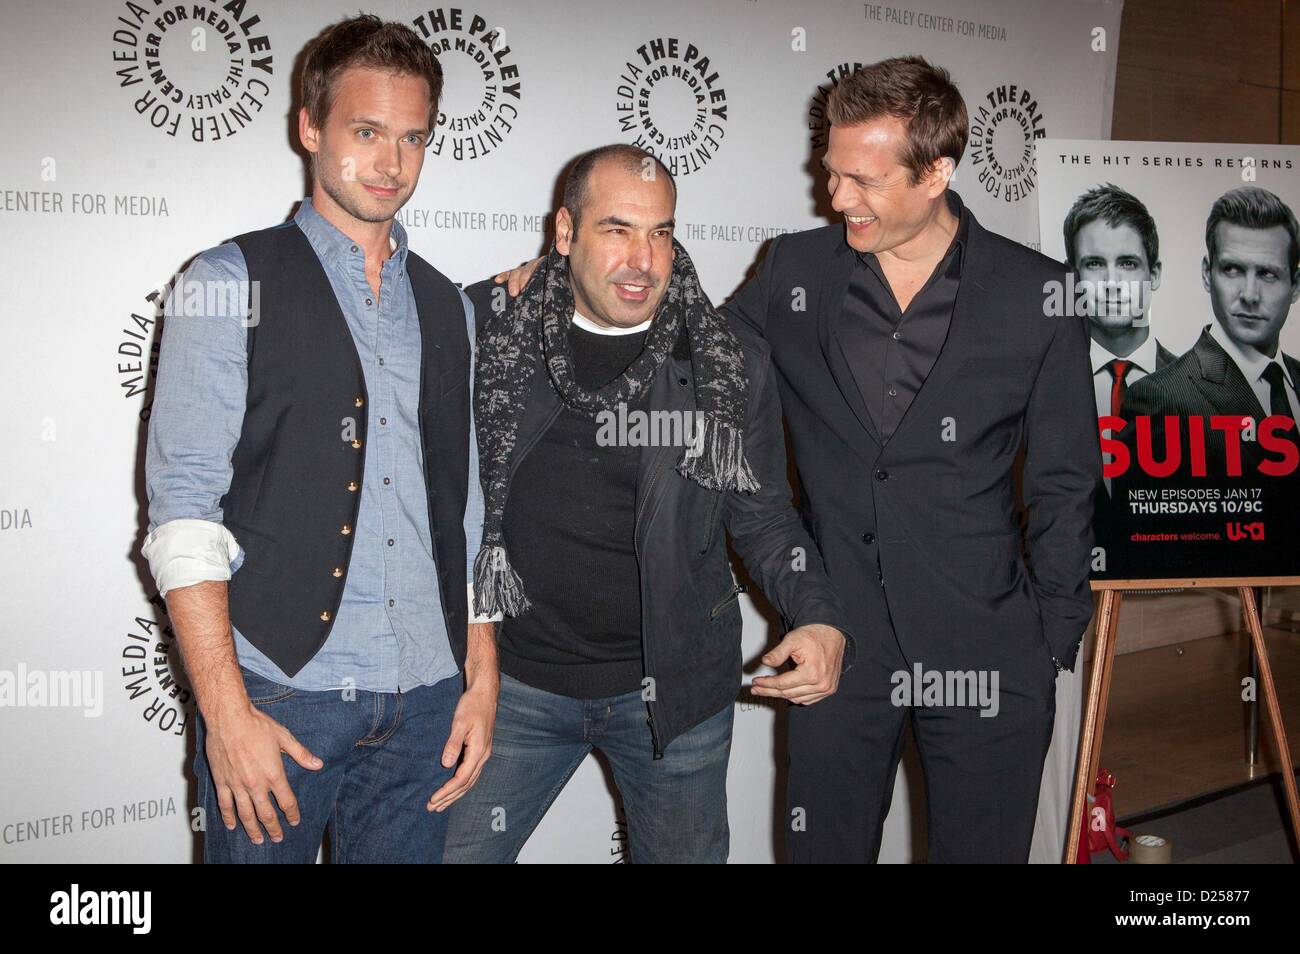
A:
<point x="645" y="640"/>
<point x="645" y="643"/>
<point x="712" y="519"/>
<point x="732" y="594"/>
<point x="655" y="737"/>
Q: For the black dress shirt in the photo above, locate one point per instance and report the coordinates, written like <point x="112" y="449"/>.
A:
<point x="901" y="346"/>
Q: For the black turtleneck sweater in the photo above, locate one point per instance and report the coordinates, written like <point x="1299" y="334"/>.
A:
<point x="568" y="526"/>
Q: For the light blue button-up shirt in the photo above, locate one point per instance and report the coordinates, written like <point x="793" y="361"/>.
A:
<point x="389" y="633"/>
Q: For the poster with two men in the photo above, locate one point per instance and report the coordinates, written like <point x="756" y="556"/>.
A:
<point x="1183" y="260"/>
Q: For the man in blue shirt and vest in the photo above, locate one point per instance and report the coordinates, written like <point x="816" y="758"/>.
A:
<point x="313" y="494"/>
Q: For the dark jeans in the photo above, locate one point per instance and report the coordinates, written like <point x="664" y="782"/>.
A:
<point x="382" y="753"/>
<point x="676" y="806"/>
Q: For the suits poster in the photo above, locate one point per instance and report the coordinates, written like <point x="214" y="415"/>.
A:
<point x="1183" y="260"/>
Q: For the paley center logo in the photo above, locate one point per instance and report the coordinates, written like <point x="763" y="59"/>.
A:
<point x="818" y="125"/>
<point x="201" y="70"/>
<point x="481" y="85"/>
<point x="673" y="103"/>
<point x="1004" y="125"/>
<point x="152" y="675"/>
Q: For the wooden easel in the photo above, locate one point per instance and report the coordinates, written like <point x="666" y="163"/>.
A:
<point x="1103" y="661"/>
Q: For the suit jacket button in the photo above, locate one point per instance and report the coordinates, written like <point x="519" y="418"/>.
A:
<point x="346" y="529"/>
<point x="325" y="616"/>
<point x="882" y="475"/>
<point x="868" y="537"/>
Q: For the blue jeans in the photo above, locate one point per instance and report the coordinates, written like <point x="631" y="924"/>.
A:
<point x="676" y="806"/>
<point x="382" y="753"/>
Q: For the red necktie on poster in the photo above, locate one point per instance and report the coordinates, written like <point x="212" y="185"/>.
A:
<point x="1118" y="369"/>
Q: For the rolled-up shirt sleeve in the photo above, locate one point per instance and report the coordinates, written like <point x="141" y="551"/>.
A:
<point x="195" y="422"/>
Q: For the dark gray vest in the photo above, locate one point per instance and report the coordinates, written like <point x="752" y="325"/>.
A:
<point x="296" y="489"/>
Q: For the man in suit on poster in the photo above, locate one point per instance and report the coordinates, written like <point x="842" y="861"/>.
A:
<point x="1112" y="245"/>
<point x="1237" y="365"/>
<point x="1236" y="369"/>
<point x="1113" y="248"/>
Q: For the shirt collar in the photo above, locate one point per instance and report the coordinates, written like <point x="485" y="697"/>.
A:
<point x="958" y="208"/>
<point x="334" y="246"/>
<point x="959" y="238"/>
<point x="1251" y="362"/>
<point x="586" y="324"/>
<point x="1145" y="357"/>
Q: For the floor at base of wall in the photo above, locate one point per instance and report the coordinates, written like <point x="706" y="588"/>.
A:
<point x="1177" y="726"/>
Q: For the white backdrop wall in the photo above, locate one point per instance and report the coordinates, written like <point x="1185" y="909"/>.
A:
<point x="130" y="149"/>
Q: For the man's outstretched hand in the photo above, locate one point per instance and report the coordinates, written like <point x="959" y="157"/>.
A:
<point x="818" y="655"/>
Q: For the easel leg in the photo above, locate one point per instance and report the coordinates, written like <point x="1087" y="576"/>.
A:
<point x="1274" y="710"/>
<point x="1094" y="717"/>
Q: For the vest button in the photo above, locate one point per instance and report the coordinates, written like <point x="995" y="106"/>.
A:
<point x="345" y="530"/>
<point x="325" y="616"/>
<point x="338" y="571"/>
<point x="356" y="444"/>
<point x="353" y="485"/>
<point x="358" y="401"/>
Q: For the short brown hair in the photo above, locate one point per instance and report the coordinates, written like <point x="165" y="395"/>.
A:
<point x="1253" y="208"/>
<point x="917" y="92"/>
<point x="368" y="41"/>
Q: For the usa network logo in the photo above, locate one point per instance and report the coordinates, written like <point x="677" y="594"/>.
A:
<point x="77" y="907"/>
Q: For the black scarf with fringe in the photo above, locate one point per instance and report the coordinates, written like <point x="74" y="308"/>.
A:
<point x="534" y="329"/>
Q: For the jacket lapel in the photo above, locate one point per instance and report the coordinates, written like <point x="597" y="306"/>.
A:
<point x="1226" y="388"/>
<point x="832" y="326"/>
<point x="666" y="394"/>
<point x="1222" y="382"/>
<point x="964" y="328"/>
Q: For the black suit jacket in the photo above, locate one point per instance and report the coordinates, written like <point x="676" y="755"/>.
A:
<point x="1205" y="381"/>
<point x="932" y="512"/>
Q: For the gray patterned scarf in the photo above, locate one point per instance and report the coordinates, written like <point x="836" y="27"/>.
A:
<point x="536" y="326"/>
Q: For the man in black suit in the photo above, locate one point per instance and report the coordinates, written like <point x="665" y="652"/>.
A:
<point x="1236" y="368"/>
<point x="914" y="355"/>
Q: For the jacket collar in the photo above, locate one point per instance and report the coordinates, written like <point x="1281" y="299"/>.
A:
<point x="335" y="248"/>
